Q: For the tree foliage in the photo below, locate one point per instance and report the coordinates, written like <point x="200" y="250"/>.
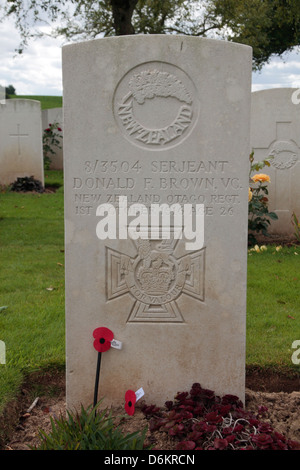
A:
<point x="269" y="26"/>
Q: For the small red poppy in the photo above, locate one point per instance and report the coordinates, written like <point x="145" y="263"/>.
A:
<point x="103" y="337"/>
<point x="130" y="400"/>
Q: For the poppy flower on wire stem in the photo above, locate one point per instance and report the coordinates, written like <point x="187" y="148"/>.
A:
<point x="103" y="338"/>
<point x="130" y="400"/>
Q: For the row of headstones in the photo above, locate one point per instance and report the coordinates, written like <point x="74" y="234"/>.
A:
<point x="22" y="123"/>
<point x="275" y="131"/>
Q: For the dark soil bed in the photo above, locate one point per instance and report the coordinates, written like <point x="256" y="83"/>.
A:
<point x="279" y="393"/>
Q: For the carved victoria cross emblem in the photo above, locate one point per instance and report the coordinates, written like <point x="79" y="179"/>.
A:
<point x="155" y="279"/>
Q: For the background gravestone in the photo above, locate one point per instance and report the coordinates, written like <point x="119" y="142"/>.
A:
<point x="55" y="116"/>
<point x="21" y="151"/>
<point x="275" y="131"/>
<point x="2" y="93"/>
<point x="157" y="119"/>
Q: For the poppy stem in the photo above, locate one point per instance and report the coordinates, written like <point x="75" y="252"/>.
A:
<point x="97" y="379"/>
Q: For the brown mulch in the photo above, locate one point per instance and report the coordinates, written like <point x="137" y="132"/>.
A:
<point x="273" y="239"/>
<point x="279" y="393"/>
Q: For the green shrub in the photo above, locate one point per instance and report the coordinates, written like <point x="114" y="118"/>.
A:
<point x="27" y="183"/>
<point x="51" y="141"/>
<point x="259" y="215"/>
<point x="89" y="430"/>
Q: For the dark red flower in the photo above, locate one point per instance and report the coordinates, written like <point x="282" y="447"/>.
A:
<point x="169" y="404"/>
<point x="265" y="428"/>
<point x="195" y="436"/>
<point x="180" y="396"/>
<point x="253" y="421"/>
<point x="130" y="399"/>
<point x="279" y="445"/>
<point x="220" y="444"/>
<point x="293" y="445"/>
<point x="213" y="417"/>
<point x="103" y="338"/>
<point x="230" y="438"/>
<point x="262" y="441"/>
<point x="59" y="129"/>
<point x="186" y="445"/>
<point x="232" y="400"/>
<point x="224" y="409"/>
<point x="198" y="410"/>
<point x="177" y="429"/>
<point x="238" y="428"/>
<point x="149" y="410"/>
<point x="204" y="427"/>
<point x="262" y="410"/>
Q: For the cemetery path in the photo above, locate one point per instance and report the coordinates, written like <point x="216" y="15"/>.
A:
<point x="280" y="395"/>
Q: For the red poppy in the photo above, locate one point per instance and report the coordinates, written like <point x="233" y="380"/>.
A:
<point x="130" y="399"/>
<point x="103" y="337"/>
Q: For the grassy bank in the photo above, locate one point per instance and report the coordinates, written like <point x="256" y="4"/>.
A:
<point x="32" y="291"/>
<point x="47" y="102"/>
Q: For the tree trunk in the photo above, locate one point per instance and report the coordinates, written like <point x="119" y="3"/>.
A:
<point x="122" y="13"/>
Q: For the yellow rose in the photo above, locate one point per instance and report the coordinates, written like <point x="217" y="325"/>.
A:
<point x="249" y="195"/>
<point x="261" y="178"/>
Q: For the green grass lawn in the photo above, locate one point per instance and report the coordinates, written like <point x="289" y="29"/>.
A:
<point x="31" y="283"/>
<point x="32" y="290"/>
<point x="47" y="102"/>
<point x="273" y="306"/>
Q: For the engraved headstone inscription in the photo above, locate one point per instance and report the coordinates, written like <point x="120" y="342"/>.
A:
<point x="156" y="202"/>
<point x="275" y="131"/>
<point x="21" y="148"/>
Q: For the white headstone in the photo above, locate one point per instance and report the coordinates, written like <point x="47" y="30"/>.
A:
<point x="168" y="123"/>
<point x="21" y="151"/>
<point x="275" y="131"/>
<point x="55" y="116"/>
<point x="2" y="94"/>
